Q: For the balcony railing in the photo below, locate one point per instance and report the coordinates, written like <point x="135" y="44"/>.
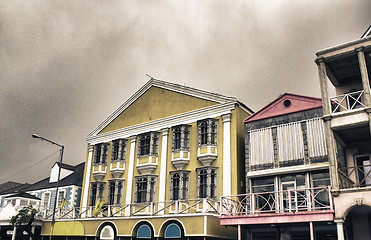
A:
<point x="193" y="206"/>
<point x="355" y="177"/>
<point x="312" y="199"/>
<point x="348" y="101"/>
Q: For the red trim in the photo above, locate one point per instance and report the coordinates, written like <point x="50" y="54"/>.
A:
<point x="312" y="216"/>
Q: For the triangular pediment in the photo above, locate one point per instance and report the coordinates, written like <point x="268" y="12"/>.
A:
<point x="158" y="99"/>
<point x="285" y="104"/>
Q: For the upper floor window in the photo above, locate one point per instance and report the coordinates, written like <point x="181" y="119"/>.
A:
<point x="61" y="195"/>
<point x="148" y="144"/>
<point x="207" y="132"/>
<point x="115" y="192"/>
<point x="207" y="182"/>
<point x="100" y="153"/>
<point x="179" y="185"/>
<point x="181" y="138"/>
<point x="145" y="187"/>
<point x="96" y="192"/>
<point x="118" y="150"/>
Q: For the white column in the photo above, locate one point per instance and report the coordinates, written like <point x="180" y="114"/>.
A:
<point x="14" y="232"/>
<point x="129" y="186"/>
<point x="163" y="168"/>
<point x="87" y="180"/>
<point x="311" y="230"/>
<point x="340" y="230"/>
<point x="227" y="155"/>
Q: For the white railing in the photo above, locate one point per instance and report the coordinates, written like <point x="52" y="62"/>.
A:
<point x="312" y="199"/>
<point x="347" y="101"/>
<point x="193" y="206"/>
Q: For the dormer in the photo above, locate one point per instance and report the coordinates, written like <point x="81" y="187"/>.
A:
<point x="66" y="170"/>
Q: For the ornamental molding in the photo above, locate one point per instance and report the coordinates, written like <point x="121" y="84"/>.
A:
<point x="168" y="86"/>
<point x="159" y="124"/>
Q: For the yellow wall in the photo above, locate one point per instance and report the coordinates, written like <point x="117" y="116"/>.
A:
<point x="156" y="103"/>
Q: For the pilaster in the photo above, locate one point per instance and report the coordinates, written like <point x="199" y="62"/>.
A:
<point x="129" y="186"/>
<point x="227" y="174"/>
<point x="163" y="169"/>
<point x="87" y="179"/>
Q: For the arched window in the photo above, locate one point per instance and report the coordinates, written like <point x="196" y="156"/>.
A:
<point x="107" y="233"/>
<point x="144" y="232"/>
<point x="173" y="231"/>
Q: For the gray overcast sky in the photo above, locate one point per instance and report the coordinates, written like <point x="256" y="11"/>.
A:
<point x="67" y="65"/>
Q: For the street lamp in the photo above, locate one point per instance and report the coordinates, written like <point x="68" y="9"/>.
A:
<point x="59" y="173"/>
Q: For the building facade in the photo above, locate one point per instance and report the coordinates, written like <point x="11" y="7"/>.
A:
<point x="157" y="167"/>
<point x="346" y="68"/>
<point x="287" y="180"/>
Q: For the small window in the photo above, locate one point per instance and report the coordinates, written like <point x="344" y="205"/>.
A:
<point x="173" y="231"/>
<point x="287" y="103"/>
<point x="96" y="192"/>
<point x="46" y="199"/>
<point x="61" y="196"/>
<point x="144" y="232"/>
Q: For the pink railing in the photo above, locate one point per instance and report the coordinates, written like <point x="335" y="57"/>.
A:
<point x="312" y="199"/>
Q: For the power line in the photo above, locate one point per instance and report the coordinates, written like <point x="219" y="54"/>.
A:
<point x="29" y="166"/>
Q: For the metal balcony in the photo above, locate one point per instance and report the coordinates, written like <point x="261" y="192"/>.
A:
<point x="300" y="205"/>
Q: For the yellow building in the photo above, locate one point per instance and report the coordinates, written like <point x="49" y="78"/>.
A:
<point x="160" y="163"/>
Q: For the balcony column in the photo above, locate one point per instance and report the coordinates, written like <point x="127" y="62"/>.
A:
<point x="323" y="86"/>
<point x="129" y="186"/>
<point x="364" y="76"/>
<point x="87" y="180"/>
<point x="227" y="155"/>
<point x="340" y="228"/>
<point x="163" y="168"/>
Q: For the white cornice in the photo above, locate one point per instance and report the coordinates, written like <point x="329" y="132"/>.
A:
<point x="165" y="85"/>
<point x="157" y="125"/>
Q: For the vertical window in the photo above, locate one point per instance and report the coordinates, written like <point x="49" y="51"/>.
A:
<point x="207" y="132"/>
<point x="177" y="135"/>
<point x="145" y="187"/>
<point x="175" y="185"/>
<point x="148" y="144"/>
<point x="179" y="185"/>
<point x="60" y="197"/>
<point x="100" y="153"/>
<point x="97" y="153"/>
<point x="114" y="192"/>
<point x="93" y="194"/>
<point x="96" y="191"/>
<point x="203" y="184"/>
<point x="181" y="137"/>
<point x="207" y="182"/>
<point x="118" y="150"/>
<point x="46" y="199"/>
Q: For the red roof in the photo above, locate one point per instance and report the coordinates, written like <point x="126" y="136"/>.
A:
<point x="285" y="104"/>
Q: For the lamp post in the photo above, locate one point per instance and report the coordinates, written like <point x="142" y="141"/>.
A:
<point x="59" y="173"/>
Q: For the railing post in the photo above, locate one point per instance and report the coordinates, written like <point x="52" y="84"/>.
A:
<point x="330" y="197"/>
<point x="252" y="203"/>
<point x="310" y="199"/>
<point x="289" y="196"/>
